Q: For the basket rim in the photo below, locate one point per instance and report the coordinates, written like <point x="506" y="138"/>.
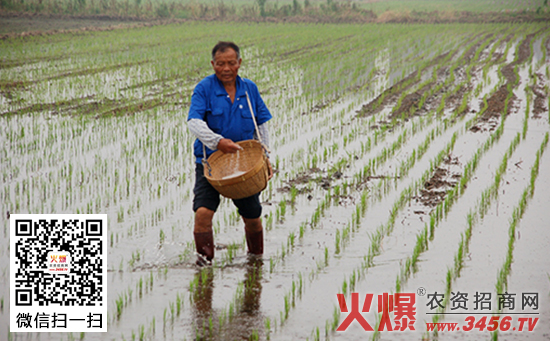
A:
<point x="239" y="178"/>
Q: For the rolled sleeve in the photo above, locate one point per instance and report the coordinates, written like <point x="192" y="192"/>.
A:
<point x="264" y="132"/>
<point x="203" y="133"/>
<point x="198" y="107"/>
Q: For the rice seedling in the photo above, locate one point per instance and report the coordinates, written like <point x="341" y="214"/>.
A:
<point x="141" y="330"/>
<point x="287" y="308"/>
<point x="162" y="237"/>
<point x="302" y="230"/>
<point x="337" y="242"/>
<point x="271" y="264"/>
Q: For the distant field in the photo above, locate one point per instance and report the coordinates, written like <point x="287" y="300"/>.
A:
<point x="380" y="6"/>
<point x="334" y="11"/>
<point x="31" y="24"/>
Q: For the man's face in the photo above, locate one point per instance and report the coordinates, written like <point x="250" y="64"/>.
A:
<point x="226" y="65"/>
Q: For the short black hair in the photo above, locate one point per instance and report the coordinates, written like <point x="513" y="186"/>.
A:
<point x="222" y="46"/>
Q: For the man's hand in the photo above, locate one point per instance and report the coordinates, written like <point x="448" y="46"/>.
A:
<point x="228" y="146"/>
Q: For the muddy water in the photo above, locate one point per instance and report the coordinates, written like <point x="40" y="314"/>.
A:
<point x="401" y="242"/>
<point x="382" y="280"/>
<point x="533" y="237"/>
<point x="489" y="242"/>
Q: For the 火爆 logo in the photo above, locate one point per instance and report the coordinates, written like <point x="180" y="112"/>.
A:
<point x="58" y="262"/>
<point x="397" y="312"/>
<point x="401" y="304"/>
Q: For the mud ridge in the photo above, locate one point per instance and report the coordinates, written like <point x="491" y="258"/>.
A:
<point x="456" y="97"/>
<point x="392" y="93"/>
<point x="102" y="108"/>
<point x="132" y="23"/>
<point x="56" y="107"/>
<point x="410" y="102"/>
<point x="388" y="96"/>
<point x="83" y="72"/>
<point x="436" y="188"/>
<point x="540" y="97"/>
<point x="345" y="14"/>
<point x="499" y="55"/>
<point x="472" y="51"/>
<point x="312" y="174"/>
<point x="497" y="102"/>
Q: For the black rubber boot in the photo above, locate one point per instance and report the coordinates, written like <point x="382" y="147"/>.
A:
<point x="204" y="242"/>
<point x="255" y="242"/>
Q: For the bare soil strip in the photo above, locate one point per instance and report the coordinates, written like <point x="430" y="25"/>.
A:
<point x="497" y="102"/>
<point x="540" y="97"/>
<point x="391" y="94"/>
<point x="436" y="188"/>
<point x="410" y="102"/>
<point x="22" y="25"/>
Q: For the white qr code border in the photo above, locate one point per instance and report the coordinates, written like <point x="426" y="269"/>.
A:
<point x="32" y="317"/>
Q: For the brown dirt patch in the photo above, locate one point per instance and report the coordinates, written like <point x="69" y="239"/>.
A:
<point x="499" y="55"/>
<point x="18" y="23"/>
<point x="411" y="101"/>
<point x="456" y="98"/>
<point x="439" y="17"/>
<point x="313" y="174"/>
<point x="21" y="25"/>
<point x="15" y="23"/>
<point x="472" y="50"/>
<point x="389" y="95"/>
<point x="74" y="73"/>
<point x="540" y="97"/>
<point x="436" y="188"/>
<point x="103" y="108"/>
<point x="392" y="94"/>
<point x="496" y="103"/>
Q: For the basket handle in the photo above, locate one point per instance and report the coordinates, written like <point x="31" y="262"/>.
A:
<point x="255" y="124"/>
<point x="205" y="161"/>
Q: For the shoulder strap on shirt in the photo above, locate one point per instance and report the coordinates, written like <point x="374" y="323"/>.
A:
<point x="253" y="117"/>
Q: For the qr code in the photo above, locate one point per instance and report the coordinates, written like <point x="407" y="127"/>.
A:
<point x="58" y="272"/>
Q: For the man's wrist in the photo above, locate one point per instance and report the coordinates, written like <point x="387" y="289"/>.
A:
<point x="217" y="140"/>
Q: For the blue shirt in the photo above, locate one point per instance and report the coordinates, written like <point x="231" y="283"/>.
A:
<point x="211" y="103"/>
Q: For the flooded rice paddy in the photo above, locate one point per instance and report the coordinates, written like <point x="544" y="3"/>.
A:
<point x="406" y="157"/>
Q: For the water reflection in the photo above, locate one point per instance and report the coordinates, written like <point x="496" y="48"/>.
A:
<point x="202" y="295"/>
<point x="253" y="286"/>
<point x="242" y="318"/>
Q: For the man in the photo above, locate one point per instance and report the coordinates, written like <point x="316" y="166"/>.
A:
<point x="219" y="116"/>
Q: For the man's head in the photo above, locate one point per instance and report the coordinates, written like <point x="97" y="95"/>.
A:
<point x="226" y="61"/>
<point x="222" y="46"/>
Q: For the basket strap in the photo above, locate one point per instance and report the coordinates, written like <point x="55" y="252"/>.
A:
<point x="253" y="117"/>
<point x="255" y="124"/>
<point x="205" y="161"/>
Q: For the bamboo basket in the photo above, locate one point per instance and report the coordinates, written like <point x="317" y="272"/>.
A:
<point x="238" y="175"/>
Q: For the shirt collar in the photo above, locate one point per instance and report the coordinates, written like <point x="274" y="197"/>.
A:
<point x="220" y="90"/>
<point x="241" y="88"/>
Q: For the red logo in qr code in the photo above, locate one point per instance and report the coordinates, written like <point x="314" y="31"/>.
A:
<point x="58" y="262"/>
